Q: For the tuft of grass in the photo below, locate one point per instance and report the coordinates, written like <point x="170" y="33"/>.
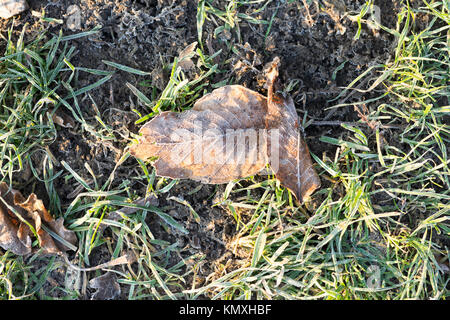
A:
<point x="35" y="80"/>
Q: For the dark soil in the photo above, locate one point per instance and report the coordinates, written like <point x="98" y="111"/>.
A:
<point x="148" y="34"/>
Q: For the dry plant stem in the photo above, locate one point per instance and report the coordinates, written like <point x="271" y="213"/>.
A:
<point x="340" y="123"/>
<point x="125" y="259"/>
<point x="309" y="19"/>
<point x="272" y="75"/>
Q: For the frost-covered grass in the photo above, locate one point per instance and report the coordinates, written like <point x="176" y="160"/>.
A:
<point x="377" y="229"/>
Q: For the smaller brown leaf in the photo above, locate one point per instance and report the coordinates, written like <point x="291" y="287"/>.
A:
<point x="184" y="58"/>
<point x="17" y="214"/>
<point x="14" y="236"/>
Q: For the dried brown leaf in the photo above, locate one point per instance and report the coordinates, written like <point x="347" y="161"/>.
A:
<point x="231" y="133"/>
<point x="193" y="144"/>
<point x="294" y="166"/>
<point x="13" y="236"/>
<point x="184" y="58"/>
<point x="17" y="214"/>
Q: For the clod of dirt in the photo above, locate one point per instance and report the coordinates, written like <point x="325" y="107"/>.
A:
<point x="20" y="219"/>
<point x="229" y="134"/>
<point x="374" y="21"/>
<point x="9" y="8"/>
<point x="245" y="60"/>
<point x="72" y="280"/>
<point x="63" y="119"/>
<point x="107" y="287"/>
<point x="74" y="17"/>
